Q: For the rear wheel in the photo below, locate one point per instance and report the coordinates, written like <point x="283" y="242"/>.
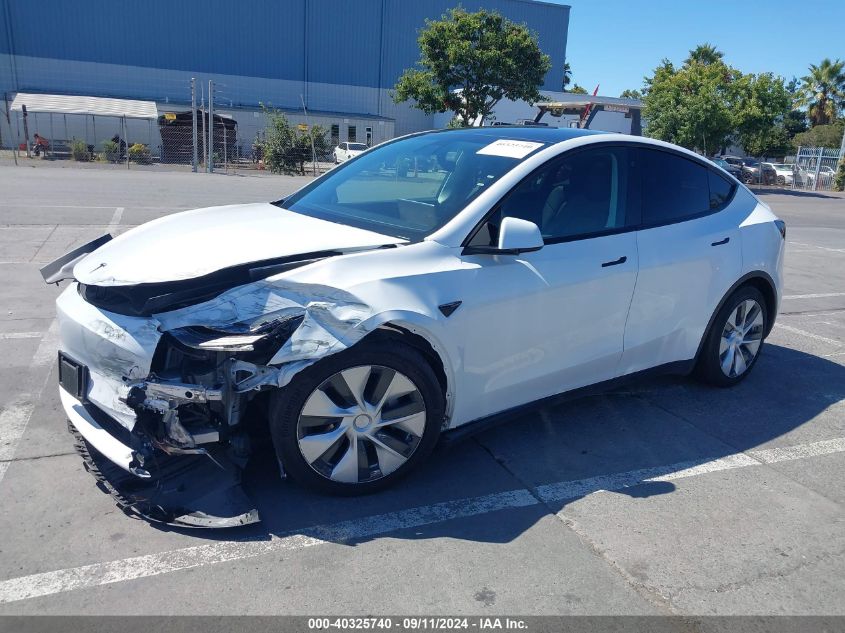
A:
<point x="357" y="421"/>
<point x="735" y="339"/>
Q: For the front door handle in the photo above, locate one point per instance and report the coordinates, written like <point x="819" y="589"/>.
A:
<point x="720" y="242"/>
<point x="615" y="262"/>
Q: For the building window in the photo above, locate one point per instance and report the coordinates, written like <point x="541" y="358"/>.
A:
<point x="335" y="134"/>
<point x="351" y="134"/>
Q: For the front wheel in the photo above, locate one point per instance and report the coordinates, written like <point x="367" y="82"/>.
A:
<point x="735" y="339"/>
<point x="357" y="421"/>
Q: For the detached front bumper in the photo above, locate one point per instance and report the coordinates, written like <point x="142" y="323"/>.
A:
<point x="187" y="486"/>
<point x="197" y="490"/>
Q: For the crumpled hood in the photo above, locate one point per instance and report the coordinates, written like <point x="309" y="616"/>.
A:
<point x="195" y="243"/>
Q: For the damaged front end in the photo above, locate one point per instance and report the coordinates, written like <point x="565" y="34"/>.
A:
<point x="190" y="434"/>
<point x="163" y="377"/>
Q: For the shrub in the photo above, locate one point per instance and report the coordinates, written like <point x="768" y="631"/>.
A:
<point x="79" y="151"/>
<point x="111" y="151"/>
<point x="140" y="153"/>
<point x="839" y="180"/>
<point x="286" y="150"/>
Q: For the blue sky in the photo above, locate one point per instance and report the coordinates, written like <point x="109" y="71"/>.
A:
<point x="617" y="42"/>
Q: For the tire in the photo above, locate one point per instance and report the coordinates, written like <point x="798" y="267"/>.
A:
<point x="728" y="355"/>
<point x="363" y="452"/>
<point x="781" y="180"/>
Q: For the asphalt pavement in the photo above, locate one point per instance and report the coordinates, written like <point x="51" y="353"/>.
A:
<point x="667" y="497"/>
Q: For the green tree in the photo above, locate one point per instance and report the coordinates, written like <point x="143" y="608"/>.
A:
<point x="631" y="94"/>
<point x="794" y="123"/>
<point x="286" y="148"/>
<point x="706" y="104"/>
<point x="829" y="135"/>
<point x="704" y="54"/>
<point x="578" y="90"/>
<point x="761" y="104"/>
<point x="691" y="106"/>
<point x="470" y="62"/>
<point x="823" y="91"/>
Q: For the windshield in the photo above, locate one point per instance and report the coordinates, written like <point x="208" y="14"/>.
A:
<point x="412" y="187"/>
<point x="358" y="147"/>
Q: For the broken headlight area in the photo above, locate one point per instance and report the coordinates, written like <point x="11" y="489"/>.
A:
<point x="201" y="382"/>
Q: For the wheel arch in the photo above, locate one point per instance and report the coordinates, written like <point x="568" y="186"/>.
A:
<point x="411" y="332"/>
<point x="758" y="279"/>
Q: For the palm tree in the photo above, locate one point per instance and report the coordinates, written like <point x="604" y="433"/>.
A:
<point x="704" y="54"/>
<point x="567" y="77"/>
<point x="823" y="91"/>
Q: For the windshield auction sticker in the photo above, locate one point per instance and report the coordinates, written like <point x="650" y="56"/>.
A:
<point x="509" y="148"/>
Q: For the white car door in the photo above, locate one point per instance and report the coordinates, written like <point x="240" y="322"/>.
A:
<point x="689" y="257"/>
<point x="540" y="323"/>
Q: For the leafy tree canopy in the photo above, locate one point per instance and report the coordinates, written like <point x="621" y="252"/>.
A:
<point x="827" y="135"/>
<point x="706" y="104"/>
<point x="578" y="90"/>
<point x="470" y="62"/>
<point x="631" y="94"/>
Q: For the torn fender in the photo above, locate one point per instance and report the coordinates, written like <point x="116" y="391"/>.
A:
<point x="333" y="319"/>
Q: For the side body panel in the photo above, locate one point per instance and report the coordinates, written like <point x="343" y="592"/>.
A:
<point x="542" y="323"/>
<point x="685" y="270"/>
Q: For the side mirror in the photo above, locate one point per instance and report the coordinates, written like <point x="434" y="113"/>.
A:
<point x="519" y="236"/>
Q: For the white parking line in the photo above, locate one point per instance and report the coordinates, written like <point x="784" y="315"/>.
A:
<point x="115" y="219"/>
<point x="817" y="337"/>
<point x="97" y="574"/>
<point x="819" y="295"/>
<point x="13" y="419"/>
<point x="824" y="248"/>
<point x="17" y="335"/>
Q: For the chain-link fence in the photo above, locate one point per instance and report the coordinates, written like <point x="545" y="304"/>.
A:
<point x="204" y="132"/>
<point x="810" y="168"/>
<point x="815" y="168"/>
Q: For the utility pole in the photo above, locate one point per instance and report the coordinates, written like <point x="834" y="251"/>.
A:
<point x="194" y="121"/>
<point x="202" y="110"/>
<point x="25" y="129"/>
<point x="210" y="164"/>
<point x="311" y="135"/>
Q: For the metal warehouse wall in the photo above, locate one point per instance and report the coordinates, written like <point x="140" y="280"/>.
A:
<point x="341" y="56"/>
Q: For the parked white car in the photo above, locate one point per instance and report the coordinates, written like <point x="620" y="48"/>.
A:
<point x="345" y="151"/>
<point x="784" y="172"/>
<point x="361" y="318"/>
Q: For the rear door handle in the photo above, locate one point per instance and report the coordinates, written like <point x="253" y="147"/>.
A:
<point x="720" y="242"/>
<point x="615" y="262"/>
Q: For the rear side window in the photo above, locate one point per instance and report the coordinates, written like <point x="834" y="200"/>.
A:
<point x="720" y="190"/>
<point x="673" y="188"/>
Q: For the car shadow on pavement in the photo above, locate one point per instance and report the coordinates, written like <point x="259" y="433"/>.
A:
<point x="653" y="428"/>
<point x="801" y="193"/>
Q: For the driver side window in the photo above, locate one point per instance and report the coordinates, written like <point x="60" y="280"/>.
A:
<point x="579" y="194"/>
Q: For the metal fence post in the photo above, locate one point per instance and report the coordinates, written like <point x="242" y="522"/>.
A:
<point x="194" y="120"/>
<point x="210" y="165"/>
<point x="125" y="140"/>
<point x="818" y="168"/>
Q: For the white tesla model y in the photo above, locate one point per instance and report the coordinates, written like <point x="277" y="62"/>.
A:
<point x="439" y="280"/>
